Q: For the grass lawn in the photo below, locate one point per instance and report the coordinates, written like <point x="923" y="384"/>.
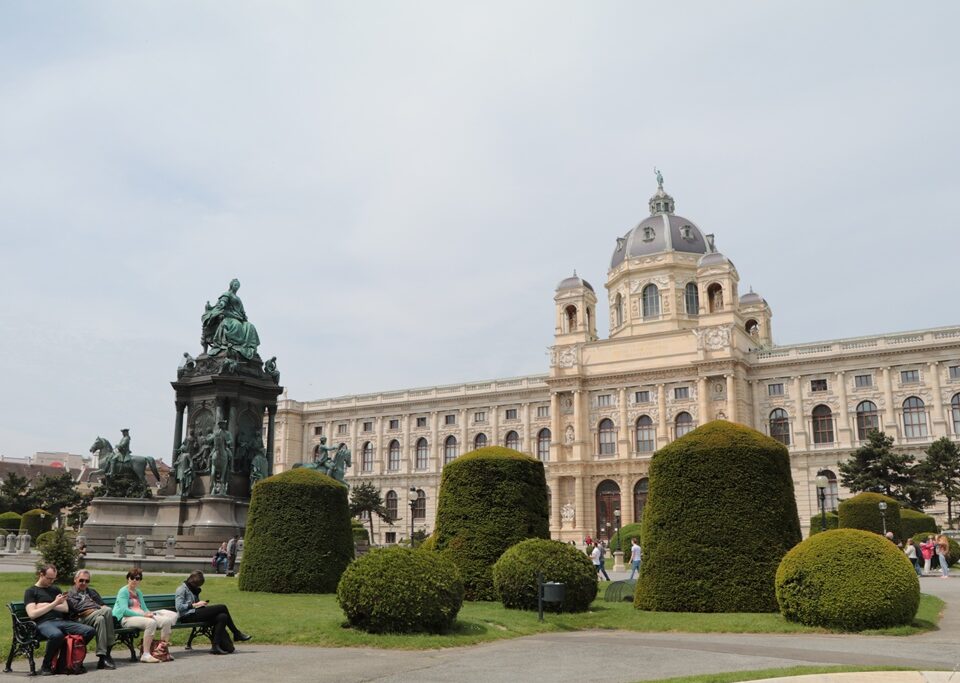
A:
<point x="733" y="676"/>
<point x="318" y="620"/>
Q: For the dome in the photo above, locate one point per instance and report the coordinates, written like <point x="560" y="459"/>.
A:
<point x="750" y="298"/>
<point x="714" y="259"/>
<point x="574" y="282"/>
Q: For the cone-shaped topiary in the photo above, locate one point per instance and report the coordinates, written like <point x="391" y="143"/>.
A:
<point x="515" y="575"/>
<point x="10" y="521"/>
<point x="35" y="522"/>
<point x="720" y="516"/>
<point x="489" y="500"/>
<point x="621" y="539"/>
<point x="816" y="522"/>
<point x="298" y="537"/>
<point x="399" y="590"/>
<point x="863" y="512"/>
<point x="847" y="579"/>
<point x="913" y="523"/>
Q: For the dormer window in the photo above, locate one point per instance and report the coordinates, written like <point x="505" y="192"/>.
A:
<point x="686" y="232"/>
<point x="648" y="234"/>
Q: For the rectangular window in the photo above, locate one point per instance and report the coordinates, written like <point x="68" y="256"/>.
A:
<point x="543" y="411"/>
<point x="449" y="419"/>
<point x="775" y="389"/>
<point x="603" y="400"/>
<point x="480" y="417"/>
<point x="862" y="381"/>
<point x="909" y="376"/>
<point x="394" y="424"/>
<point x="421" y="422"/>
<point x="368" y="426"/>
<point x="341" y="429"/>
<point x="681" y="393"/>
<point x="318" y="431"/>
<point x="818" y="385"/>
<point x="511" y="413"/>
<point x="642" y="397"/>
<point x="955" y="372"/>
<point x="391" y="537"/>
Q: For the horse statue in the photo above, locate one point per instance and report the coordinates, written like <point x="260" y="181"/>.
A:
<point x="333" y="467"/>
<point x="110" y="467"/>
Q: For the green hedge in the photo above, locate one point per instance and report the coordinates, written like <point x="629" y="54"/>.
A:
<point x="816" y="522"/>
<point x="863" y="512"/>
<point x="847" y="579"/>
<point x="627" y="532"/>
<point x="515" y="575"/>
<point x="913" y="523"/>
<point x="298" y="537"/>
<point x="429" y="544"/>
<point x="10" y="521"/>
<point x="399" y="590"/>
<point x="360" y="533"/>
<point x="489" y="500"/>
<point x="35" y="522"/>
<point x="720" y="517"/>
<point x="953" y="556"/>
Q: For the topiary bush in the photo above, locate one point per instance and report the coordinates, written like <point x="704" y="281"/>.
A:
<point x="48" y="536"/>
<point x="400" y="590"/>
<point x="847" y="579"/>
<point x="430" y="544"/>
<point x="360" y="533"/>
<point x="953" y="556"/>
<point x="489" y="500"/>
<point x="515" y="575"/>
<point x="720" y="517"/>
<point x="10" y="521"/>
<point x="35" y="522"/>
<point x="621" y="539"/>
<point x="298" y="537"/>
<point x="913" y="523"/>
<point x="816" y="522"/>
<point x="863" y="512"/>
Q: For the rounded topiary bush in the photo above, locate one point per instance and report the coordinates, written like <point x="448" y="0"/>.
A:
<point x="429" y="544"/>
<point x="489" y="500"/>
<point x="863" y="512"/>
<point x="720" y="517"/>
<point x="10" y="521"/>
<point x="953" y="556"/>
<point x="847" y="579"/>
<point x="298" y="537"/>
<point x="913" y="523"/>
<point x="35" y="522"/>
<point x="816" y="522"/>
<point x="621" y="539"/>
<point x="515" y="575"/>
<point x="399" y="590"/>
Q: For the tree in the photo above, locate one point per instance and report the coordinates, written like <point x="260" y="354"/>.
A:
<point x="61" y="553"/>
<point x="365" y="500"/>
<point x="56" y="492"/>
<point x="15" y="493"/>
<point x="876" y="468"/>
<point x="941" y="469"/>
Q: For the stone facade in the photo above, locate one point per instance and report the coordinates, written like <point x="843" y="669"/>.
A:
<point x="684" y="348"/>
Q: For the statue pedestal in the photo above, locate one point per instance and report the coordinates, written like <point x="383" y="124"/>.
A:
<point x="618" y="561"/>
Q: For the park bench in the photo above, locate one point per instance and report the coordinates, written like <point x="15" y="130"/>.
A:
<point x="26" y="638"/>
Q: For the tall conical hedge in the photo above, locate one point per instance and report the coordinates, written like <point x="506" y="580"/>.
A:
<point x="863" y="512"/>
<point x="489" y="500"/>
<point x="720" y="517"/>
<point x="298" y="537"/>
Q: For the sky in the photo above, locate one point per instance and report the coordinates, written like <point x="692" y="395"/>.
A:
<point x="399" y="187"/>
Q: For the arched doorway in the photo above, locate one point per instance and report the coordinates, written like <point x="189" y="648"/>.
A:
<point x="608" y="509"/>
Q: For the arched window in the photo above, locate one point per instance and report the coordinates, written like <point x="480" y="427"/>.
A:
<point x="780" y="426"/>
<point x="392" y="504"/>
<point x="646" y="434"/>
<point x="570" y="313"/>
<point x="366" y="457"/>
<point x="393" y="456"/>
<point x="868" y="419"/>
<point x="651" y="301"/>
<point x="451" y="449"/>
<point x="608" y="437"/>
<point x="640" y="491"/>
<point x="683" y="423"/>
<point x="512" y="440"/>
<point x="832" y="492"/>
<point x="715" y="297"/>
<point x="608" y="508"/>
<point x="822" y="424"/>
<point x="955" y="409"/>
<point x="479" y="441"/>
<point x="420" y="507"/>
<point x="753" y="328"/>
<point x="423" y="453"/>
<point x="691" y="296"/>
<point x="543" y="445"/>
<point x="618" y="310"/>
<point x="914" y="418"/>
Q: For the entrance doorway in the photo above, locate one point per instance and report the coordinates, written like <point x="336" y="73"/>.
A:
<point x="608" y="509"/>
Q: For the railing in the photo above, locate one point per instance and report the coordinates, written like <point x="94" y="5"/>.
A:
<point x="851" y="345"/>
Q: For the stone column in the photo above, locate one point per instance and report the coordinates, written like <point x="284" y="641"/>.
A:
<point x="434" y="446"/>
<point x="525" y="436"/>
<point x="939" y="426"/>
<point x="889" y="412"/>
<point x="578" y="437"/>
<point x="663" y="434"/>
<point x="178" y="428"/>
<point x="579" y="506"/>
<point x="405" y="445"/>
<point x="381" y="449"/>
<point x="843" y="432"/>
<point x="799" y="419"/>
<point x="623" y="447"/>
<point x="271" y="431"/>
<point x="495" y="425"/>
<point x="556" y="438"/>
<point x="755" y="397"/>
<point x="702" y="401"/>
<point x="464" y="447"/>
<point x="555" y="504"/>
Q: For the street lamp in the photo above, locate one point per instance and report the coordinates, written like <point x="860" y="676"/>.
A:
<point x="822" y="483"/>
<point x="616" y="521"/>
<point x="883" y="515"/>
<point x="412" y="497"/>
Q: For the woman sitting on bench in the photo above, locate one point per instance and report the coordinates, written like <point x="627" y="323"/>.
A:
<point x="193" y="610"/>
<point x="132" y="611"/>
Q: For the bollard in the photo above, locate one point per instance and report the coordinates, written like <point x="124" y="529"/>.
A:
<point x="11" y="543"/>
<point x="169" y="546"/>
<point x="139" y="548"/>
<point x="120" y="546"/>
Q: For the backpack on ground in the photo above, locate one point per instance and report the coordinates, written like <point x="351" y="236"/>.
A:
<point x="69" y="660"/>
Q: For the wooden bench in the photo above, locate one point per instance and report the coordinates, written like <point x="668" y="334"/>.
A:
<point x="26" y="638"/>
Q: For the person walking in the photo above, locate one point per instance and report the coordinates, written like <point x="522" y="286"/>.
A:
<point x="232" y="547"/>
<point x="602" y="552"/>
<point x="910" y="551"/>
<point x="943" y="549"/>
<point x="635" y="555"/>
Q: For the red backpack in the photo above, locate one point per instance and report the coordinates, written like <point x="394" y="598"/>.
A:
<point x="69" y="660"/>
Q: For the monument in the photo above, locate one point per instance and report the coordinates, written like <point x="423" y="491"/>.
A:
<point x="223" y="398"/>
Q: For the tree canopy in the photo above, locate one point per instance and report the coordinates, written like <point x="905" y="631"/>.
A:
<point x="875" y="467"/>
<point x="941" y="469"/>
<point x="366" y="501"/>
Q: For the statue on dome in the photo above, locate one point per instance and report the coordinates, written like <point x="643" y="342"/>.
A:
<point x="226" y="328"/>
<point x="659" y="177"/>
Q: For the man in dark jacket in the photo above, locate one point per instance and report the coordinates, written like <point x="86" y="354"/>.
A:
<point x="86" y="606"/>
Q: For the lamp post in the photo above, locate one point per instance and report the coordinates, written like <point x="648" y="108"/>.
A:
<point x="883" y="515"/>
<point x="617" y="552"/>
<point x="412" y="497"/>
<point x="822" y="483"/>
<point x="616" y="524"/>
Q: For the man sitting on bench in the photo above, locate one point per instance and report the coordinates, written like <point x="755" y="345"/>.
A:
<point x="86" y="606"/>
<point x="46" y="605"/>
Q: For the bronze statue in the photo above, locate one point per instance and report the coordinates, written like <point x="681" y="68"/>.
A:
<point x="322" y="458"/>
<point x="659" y="178"/>
<point x="201" y="463"/>
<point x="270" y="367"/>
<point x="226" y="328"/>
<point x="220" y="465"/>
<point x="259" y="468"/>
<point x="184" y="473"/>
<point x="111" y="465"/>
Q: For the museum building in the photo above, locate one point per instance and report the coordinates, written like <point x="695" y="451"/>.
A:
<point x="685" y="347"/>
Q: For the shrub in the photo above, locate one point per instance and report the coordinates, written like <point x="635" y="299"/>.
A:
<point x="515" y="575"/>
<point x="48" y="536"/>
<point x="720" y="516"/>
<point x="298" y="537"/>
<point x="847" y="579"/>
<point x="430" y="544"/>
<point x="489" y="500"/>
<point x="816" y="522"/>
<point x="10" y="522"/>
<point x="399" y="590"/>
<point x="863" y="512"/>
<point x="57" y="548"/>
<point x="621" y="539"/>
<point x="953" y="556"/>
<point x="35" y="522"/>
<point x="360" y="534"/>
<point x="913" y="523"/>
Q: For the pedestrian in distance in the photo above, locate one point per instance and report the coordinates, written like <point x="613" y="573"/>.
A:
<point x="635" y="556"/>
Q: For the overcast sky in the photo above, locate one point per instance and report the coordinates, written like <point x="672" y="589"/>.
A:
<point x="400" y="186"/>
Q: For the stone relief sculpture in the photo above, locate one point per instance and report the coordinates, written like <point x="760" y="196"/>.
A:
<point x="713" y="338"/>
<point x="564" y="356"/>
<point x="567" y="513"/>
<point x="569" y="435"/>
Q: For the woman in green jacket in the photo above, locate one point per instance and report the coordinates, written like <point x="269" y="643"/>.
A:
<point x="132" y="611"/>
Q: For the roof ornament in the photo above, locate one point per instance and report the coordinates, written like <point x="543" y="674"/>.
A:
<point x="659" y="178"/>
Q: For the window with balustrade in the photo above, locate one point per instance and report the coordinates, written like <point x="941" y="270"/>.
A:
<point x="366" y="457"/>
<point x="607" y="437"/>
<point x="914" y="418"/>
<point x="393" y="456"/>
<point x="868" y="419"/>
<point x="451" y="449"/>
<point x="822" y="425"/>
<point x="780" y="426"/>
<point x="423" y="453"/>
<point x="543" y="445"/>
